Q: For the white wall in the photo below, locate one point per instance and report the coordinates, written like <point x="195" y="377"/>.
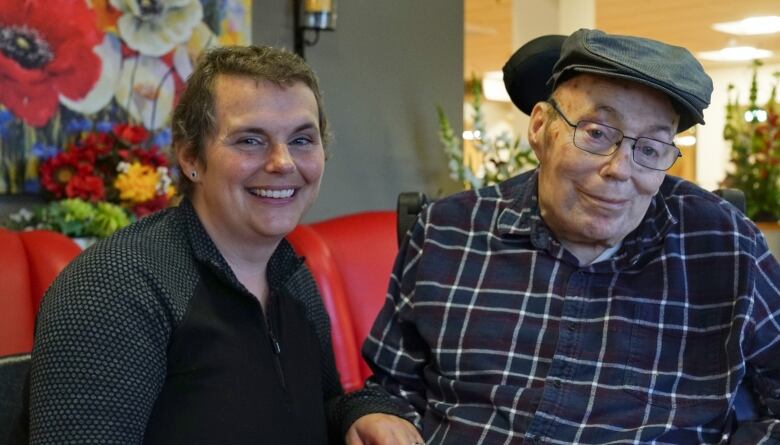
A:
<point x="712" y="152"/>
<point x="531" y="19"/>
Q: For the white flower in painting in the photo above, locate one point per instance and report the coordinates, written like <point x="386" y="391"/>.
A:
<point x="146" y="90"/>
<point x="110" y="53"/>
<point x="154" y="27"/>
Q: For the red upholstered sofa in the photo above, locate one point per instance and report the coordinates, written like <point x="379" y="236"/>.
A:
<point x="350" y="257"/>
<point x="29" y="261"/>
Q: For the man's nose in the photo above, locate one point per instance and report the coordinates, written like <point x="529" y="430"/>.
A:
<point x="619" y="165"/>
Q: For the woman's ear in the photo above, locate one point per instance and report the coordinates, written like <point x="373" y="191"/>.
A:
<point x="537" y="128"/>
<point x="188" y="162"/>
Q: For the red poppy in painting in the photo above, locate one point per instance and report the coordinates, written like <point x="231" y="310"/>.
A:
<point x="46" y="51"/>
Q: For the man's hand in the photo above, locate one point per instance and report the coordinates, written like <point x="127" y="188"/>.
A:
<point x="382" y="429"/>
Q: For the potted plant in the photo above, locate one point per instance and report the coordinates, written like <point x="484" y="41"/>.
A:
<point x="497" y="157"/>
<point x="754" y="134"/>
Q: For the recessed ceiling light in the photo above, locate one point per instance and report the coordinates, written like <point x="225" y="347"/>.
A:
<point x="750" y="26"/>
<point x="735" y="54"/>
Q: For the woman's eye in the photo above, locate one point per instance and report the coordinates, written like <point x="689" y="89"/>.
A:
<point x="302" y="141"/>
<point x="250" y="141"/>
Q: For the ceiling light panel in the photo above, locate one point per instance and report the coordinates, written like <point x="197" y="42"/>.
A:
<point x="750" y="26"/>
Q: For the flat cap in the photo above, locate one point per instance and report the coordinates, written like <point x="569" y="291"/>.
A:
<point x="670" y="69"/>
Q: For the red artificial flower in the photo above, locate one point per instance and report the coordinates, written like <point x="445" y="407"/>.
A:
<point x="57" y="171"/>
<point x="151" y="156"/>
<point x="131" y="134"/>
<point x="99" y="143"/>
<point x="159" y="202"/>
<point x="88" y="187"/>
<point x="46" y="51"/>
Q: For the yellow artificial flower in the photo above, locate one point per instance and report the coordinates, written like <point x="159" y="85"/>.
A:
<point x="136" y="183"/>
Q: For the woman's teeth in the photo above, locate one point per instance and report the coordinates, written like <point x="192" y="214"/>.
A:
<point x="276" y="194"/>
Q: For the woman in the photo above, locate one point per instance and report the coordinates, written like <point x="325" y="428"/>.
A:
<point x="199" y="324"/>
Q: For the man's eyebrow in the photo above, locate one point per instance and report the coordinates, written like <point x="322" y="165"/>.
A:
<point x="654" y="129"/>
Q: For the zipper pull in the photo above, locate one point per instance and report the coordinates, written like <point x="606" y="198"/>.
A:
<point x="274" y="343"/>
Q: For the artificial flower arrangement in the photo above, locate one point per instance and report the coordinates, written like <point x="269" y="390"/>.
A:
<point x="500" y="157"/>
<point x="100" y="182"/>
<point x="754" y="133"/>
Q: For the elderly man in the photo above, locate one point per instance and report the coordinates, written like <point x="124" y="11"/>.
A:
<point x="595" y="299"/>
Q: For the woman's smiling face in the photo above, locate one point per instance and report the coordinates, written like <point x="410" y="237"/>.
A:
<point x="263" y="163"/>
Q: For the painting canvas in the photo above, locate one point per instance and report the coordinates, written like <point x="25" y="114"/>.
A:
<point x="73" y="66"/>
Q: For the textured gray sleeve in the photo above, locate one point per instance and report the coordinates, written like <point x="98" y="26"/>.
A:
<point x="100" y="351"/>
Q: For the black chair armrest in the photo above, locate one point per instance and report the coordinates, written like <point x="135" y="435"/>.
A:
<point x="410" y="204"/>
<point x="735" y="197"/>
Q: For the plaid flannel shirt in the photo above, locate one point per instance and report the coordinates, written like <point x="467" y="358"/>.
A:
<point x="492" y="333"/>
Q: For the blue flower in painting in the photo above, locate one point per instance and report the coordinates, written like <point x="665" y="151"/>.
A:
<point x="104" y="126"/>
<point x="5" y="118"/>
<point x="163" y="138"/>
<point x="43" y="151"/>
<point x="78" y="125"/>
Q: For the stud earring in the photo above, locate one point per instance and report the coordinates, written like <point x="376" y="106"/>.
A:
<point x="193" y="174"/>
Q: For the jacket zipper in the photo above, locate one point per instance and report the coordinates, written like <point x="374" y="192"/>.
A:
<point x="277" y="349"/>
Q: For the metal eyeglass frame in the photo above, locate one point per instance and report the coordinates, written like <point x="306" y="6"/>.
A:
<point x="616" y="144"/>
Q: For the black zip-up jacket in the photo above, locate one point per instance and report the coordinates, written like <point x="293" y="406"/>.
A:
<point x="148" y="337"/>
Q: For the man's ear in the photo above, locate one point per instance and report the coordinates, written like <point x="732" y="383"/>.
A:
<point x="537" y="126"/>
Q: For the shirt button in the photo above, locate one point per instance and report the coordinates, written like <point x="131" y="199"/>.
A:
<point x="570" y="327"/>
<point x="557" y="383"/>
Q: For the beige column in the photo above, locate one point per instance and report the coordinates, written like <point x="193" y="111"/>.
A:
<point x="533" y="18"/>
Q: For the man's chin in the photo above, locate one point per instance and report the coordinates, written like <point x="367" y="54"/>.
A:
<point x="606" y="233"/>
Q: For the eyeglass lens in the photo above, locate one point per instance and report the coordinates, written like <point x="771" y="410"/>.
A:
<point x="603" y="140"/>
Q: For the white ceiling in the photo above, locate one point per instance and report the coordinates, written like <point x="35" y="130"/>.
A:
<point x="684" y="23"/>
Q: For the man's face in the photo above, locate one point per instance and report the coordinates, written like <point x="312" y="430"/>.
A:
<point x="588" y="200"/>
<point x="263" y="163"/>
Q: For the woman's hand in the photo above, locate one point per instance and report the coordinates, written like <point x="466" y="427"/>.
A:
<point x="382" y="429"/>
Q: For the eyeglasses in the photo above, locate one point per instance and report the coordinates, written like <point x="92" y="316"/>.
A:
<point x="603" y="140"/>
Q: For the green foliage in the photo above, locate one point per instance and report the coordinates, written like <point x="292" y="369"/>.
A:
<point x="501" y="157"/>
<point x="755" y="152"/>
<point x="72" y="217"/>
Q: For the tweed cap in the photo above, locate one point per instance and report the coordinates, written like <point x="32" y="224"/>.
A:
<point x="670" y="69"/>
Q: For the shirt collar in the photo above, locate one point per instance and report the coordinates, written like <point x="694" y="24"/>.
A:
<point x="522" y="218"/>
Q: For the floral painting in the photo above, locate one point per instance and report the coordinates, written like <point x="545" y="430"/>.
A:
<point x="86" y="71"/>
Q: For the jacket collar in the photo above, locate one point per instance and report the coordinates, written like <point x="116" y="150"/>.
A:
<point x="281" y="266"/>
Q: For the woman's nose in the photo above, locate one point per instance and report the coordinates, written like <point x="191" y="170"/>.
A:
<point x="279" y="159"/>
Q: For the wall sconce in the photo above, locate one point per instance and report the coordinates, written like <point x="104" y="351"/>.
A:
<point x="312" y="15"/>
